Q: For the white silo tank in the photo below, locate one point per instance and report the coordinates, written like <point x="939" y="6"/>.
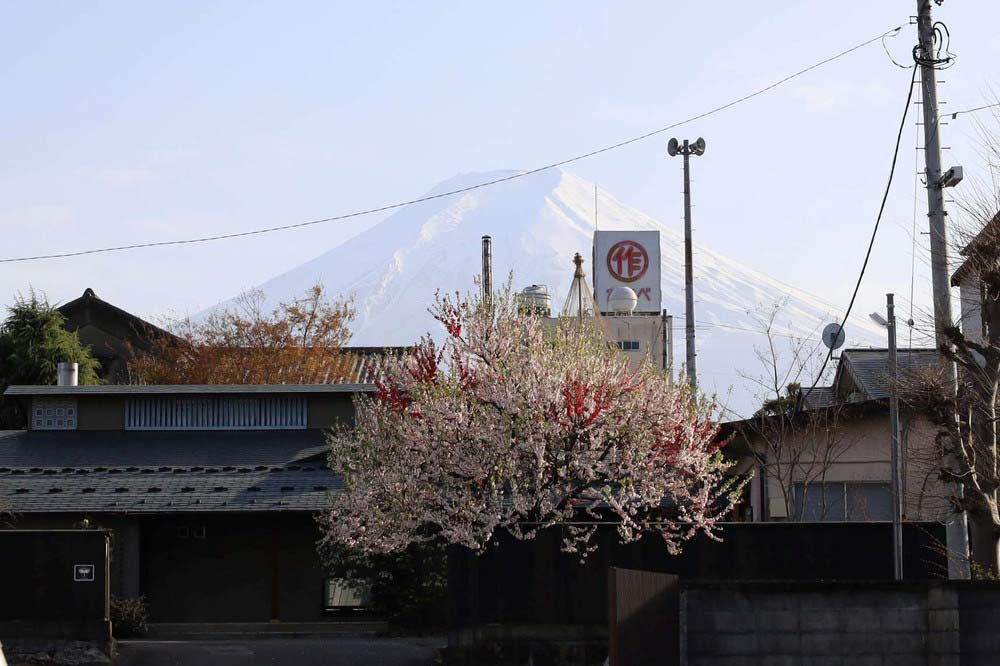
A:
<point x="536" y="299"/>
<point x="622" y="300"/>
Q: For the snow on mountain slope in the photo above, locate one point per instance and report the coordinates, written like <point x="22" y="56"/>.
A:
<point x="537" y="224"/>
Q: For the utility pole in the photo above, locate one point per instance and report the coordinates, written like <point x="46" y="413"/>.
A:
<point x="667" y="322"/>
<point x="687" y="149"/>
<point x="897" y="495"/>
<point x="957" y="534"/>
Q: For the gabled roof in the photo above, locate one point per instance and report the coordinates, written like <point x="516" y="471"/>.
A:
<point x="984" y="245"/>
<point x="862" y="379"/>
<point x="76" y="310"/>
<point x="868" y="371"/>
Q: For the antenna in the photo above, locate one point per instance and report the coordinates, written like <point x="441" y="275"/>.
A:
<point x="833" y="336"/>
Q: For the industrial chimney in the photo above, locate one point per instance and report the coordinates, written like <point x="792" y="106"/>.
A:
<point x="487" y="269"/>
<point x="68" y="374"/>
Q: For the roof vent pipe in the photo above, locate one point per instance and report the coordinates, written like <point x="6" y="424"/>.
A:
<point x="68" y="374"/>
<point x="487" y="268"/>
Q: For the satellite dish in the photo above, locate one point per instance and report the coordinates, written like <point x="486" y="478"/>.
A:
<point x="833" y="336"/>
<point x="672" y="147"/>
<point x="699" y="146"/>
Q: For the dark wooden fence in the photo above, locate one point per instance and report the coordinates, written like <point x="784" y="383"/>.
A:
<point x="533" y="583"/>
<point x="643" y="618"/>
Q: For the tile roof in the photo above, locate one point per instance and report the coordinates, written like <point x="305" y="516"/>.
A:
<point x="184" y="389"/>
<point x="90" y="299"/>
<point x="869" y="368"/>
<point x="168" y="489"/>
<point x="127" y="448"/>
<point x="164" y="472"/>
<point x="819" y="397"/>
<point x="355" y="372"/>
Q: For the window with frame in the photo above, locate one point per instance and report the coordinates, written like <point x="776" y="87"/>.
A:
<point x="344" y="594"/>
<point x="629" y="345"/>
<point x="53" y="414"/>
<point x="860" y="501"/>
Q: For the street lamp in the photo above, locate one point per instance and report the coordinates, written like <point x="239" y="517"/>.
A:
<point x="889" y="323"/>
<point x="687" y="149"/>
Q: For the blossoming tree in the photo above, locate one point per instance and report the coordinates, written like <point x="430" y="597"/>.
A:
<point x="517" y="423"/>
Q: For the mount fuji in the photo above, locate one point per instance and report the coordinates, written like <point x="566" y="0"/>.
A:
<point x="393" y="269"/>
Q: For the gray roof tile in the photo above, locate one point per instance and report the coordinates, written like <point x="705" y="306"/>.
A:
<point x="184" y="389"/>
<point x="164" y="472"/>
<point x="869" y="368"/>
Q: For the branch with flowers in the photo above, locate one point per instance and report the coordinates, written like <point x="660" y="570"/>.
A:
<point x="519" y="423"/>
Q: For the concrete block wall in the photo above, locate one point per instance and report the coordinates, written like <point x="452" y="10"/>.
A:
<point x="978" y="618"/>
<point x="827" y="624"/>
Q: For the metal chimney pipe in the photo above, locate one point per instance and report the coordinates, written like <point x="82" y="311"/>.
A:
<point x="68" y="374"/>
<point x="487" y="268"/>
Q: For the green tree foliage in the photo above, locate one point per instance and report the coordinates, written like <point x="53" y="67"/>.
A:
<point x="408" y="587"/>
<point x="782" y="404"/>
<point x="32" y="344"/>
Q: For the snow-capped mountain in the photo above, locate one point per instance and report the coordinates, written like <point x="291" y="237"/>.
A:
<point x="537" y="223"/>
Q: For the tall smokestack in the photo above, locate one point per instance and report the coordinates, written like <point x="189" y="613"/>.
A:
<point x="487" y="269"/>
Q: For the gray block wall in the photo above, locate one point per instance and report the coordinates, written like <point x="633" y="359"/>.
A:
<point x="826" y="624"/>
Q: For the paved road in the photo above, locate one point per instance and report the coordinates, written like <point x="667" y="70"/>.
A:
<point x="334" y="651"/>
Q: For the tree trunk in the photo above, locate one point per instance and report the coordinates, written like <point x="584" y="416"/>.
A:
<point x="984" y="544"/>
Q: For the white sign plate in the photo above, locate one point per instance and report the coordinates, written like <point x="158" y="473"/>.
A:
<point x="628" y="259"/>
<point x="84" y="573"/>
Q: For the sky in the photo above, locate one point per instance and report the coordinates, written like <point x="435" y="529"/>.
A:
<point x="136" y="122"/>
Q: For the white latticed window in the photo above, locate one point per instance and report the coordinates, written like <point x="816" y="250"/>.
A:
<point x="216" y="413"/>
<point x="53" y="414"/>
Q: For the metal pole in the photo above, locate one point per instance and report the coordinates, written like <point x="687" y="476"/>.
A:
<point x="692" y="373"/>
<point x="897" y="497"/>
<point x="957" y="533"/>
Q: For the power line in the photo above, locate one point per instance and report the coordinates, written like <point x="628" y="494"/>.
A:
<point x="878" y="219"/>
<point x="496" y="181"/>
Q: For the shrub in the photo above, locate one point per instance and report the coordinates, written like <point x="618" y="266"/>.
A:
<point x="408" y="588"/>
<point x="129" y="617"/>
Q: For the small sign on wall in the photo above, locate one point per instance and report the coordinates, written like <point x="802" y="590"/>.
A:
<point x="83" y="573"/>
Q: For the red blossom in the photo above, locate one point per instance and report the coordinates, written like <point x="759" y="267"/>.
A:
<point x="397" y="398"/>
<point x="580" y="405"/>
<point x="425" y="366"/>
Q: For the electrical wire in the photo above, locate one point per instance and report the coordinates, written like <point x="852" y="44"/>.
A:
<point x="496" y="181"/>
<point x="878" y="220"/>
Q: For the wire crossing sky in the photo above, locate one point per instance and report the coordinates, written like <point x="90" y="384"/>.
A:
<point x="389" y="207"/>
<point x="124" y="123"/>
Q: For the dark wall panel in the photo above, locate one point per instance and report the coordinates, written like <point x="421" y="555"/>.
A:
<point x="37" y="579"/>
<point x="244" y="569"/>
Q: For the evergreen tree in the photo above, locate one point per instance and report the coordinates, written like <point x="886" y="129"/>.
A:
<point x="32" y="344"/>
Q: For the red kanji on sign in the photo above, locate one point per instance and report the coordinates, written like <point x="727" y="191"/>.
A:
<point x="627" y="261"/>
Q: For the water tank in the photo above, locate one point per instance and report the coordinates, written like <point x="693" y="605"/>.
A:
<point x="535" y="299"/>
<point x="622" y="300"/>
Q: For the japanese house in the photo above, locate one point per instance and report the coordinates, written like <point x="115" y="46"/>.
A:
<point x="828" y="459"/>
<point x="211" y="492"/>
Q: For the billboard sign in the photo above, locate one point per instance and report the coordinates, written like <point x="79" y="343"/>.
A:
<point x="628" y="259"/>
